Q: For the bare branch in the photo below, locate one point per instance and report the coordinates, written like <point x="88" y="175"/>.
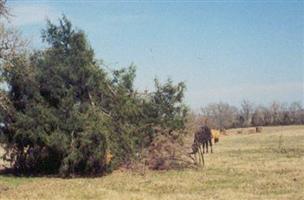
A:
<point x="4" y="11"/>
<point x="11" y="44"/>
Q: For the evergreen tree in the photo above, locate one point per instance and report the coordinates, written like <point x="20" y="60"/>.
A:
<point x="66" y="114"/>
<point x="57" y="124"/>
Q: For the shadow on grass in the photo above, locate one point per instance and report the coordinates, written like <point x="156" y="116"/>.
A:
<point x="11" y="172"/>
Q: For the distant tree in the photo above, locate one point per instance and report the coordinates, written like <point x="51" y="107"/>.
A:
<point x="246" y="113"/>
<point x="284" y="114"/>
<point x="221" y="115"/>
<point x="226" y="116"/>
<point x="296" y="112"/>
<point x="275" y="113"/>
<point x="268" y="116"/>
<point x="258" y="117"/>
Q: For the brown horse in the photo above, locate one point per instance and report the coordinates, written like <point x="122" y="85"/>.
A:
<point x="202" y="139"/>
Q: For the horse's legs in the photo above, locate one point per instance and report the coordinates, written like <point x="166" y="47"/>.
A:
<point x="198" y="155"/>
<point x="195" y="158"/>
<point x="202" y="157"/>
<point x="210" y="142"/>
<point x="206" y="146"/>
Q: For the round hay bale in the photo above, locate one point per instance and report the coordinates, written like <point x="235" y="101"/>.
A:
<point x="258" y="129"/>
<point x="251" y="131"/>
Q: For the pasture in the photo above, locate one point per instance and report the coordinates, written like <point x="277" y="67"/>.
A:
<point x="267" y="165"/>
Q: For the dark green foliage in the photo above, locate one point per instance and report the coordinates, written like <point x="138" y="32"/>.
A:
<point x="163" y="109"/>
<point x="66" y="114"/>
<point x="56" y="125"/>
<point x="168" y="104"/>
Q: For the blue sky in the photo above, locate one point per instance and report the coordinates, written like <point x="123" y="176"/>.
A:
<point x="224" y="50"/>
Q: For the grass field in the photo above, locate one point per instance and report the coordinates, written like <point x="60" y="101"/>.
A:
<point x="268" y="165"/>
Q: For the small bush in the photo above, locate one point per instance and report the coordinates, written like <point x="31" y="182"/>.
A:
<point x="166" y="152"/>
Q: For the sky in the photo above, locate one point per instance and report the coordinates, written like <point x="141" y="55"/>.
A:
<point x="225" y="51"/>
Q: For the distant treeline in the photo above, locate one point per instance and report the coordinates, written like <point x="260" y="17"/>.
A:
<point x="223" y="115"/>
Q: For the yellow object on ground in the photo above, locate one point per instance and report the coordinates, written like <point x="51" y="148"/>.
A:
<point x="215" y="135"/>
<point x="109" y="157"/>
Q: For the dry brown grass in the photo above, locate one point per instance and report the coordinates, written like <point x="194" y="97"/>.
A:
<point x="267" y="165"/>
